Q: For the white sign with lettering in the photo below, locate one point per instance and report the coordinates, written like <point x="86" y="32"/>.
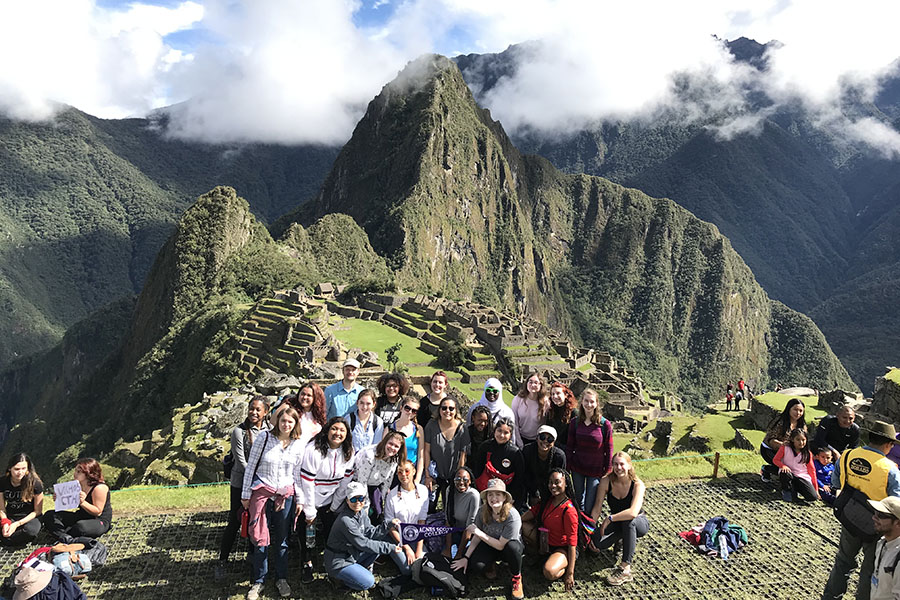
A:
<point x="68" y="495"/>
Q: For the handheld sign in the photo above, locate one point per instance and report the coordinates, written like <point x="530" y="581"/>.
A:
<point x="68" y="495"/>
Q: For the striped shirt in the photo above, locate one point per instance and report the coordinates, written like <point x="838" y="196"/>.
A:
<point x="323" y="479"/>
<point x="277" y="468"/>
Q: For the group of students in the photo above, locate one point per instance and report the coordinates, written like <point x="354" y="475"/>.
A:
<point x="344" y="466"/>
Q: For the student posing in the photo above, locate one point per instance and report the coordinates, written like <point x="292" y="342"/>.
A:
<point x="21" y="502"/>
<point x="500" y="459"/>
<point x="407" y="503"/>
<point x="94" y="515"/>
<point x="375" y="466"/>
<point x="589" y="449"/>
<point x="558" y="515"/>
<point x="796" y="470"/>
<point x="446" y="440"/>
<point x="530" y="408"/>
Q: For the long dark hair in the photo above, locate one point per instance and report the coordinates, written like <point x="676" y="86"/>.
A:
<point x="321" y="440"/>
<point x="570" y="493"/>
<point x="784" y="419"/>
<point x="30" y="478"/>
<point x="488" y="429"/>
<point x="805" y="454"/>
<point x="318" y="410"/>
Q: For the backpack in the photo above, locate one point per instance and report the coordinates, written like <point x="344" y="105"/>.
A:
<point x="434" y="570"/>
<point x="228" y="459"/>
<point x="851" y="507"/>
<point x="435" y="544"/>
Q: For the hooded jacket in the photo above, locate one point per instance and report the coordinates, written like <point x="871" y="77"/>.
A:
<point x="351" y="535"/>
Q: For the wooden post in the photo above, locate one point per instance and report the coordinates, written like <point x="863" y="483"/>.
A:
<point x="716" y="467"/>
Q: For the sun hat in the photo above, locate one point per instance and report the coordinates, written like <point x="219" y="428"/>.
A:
<point x="547" y="429"/>
<point x="29" y="582"/>
<point x="883" y="429"/>
<point x="495" y="485"/>
<point x="889" y="505"/>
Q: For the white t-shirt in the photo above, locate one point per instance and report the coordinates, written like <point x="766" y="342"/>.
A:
<point x="408" y="506"/>
<point x="885" y="586"/>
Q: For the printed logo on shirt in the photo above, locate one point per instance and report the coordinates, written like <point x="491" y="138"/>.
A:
<point x="860" y="466"/>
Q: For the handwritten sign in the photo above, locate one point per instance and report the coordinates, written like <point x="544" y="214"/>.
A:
<point x="67" y="495"/>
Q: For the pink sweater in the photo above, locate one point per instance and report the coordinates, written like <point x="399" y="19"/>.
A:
<point x="786" y="457"/>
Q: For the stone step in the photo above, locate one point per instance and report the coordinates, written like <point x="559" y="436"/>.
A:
<point x="429" y="348"/>
<point x="394" y="319"/>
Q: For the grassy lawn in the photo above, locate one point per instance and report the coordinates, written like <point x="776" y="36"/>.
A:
<point x="679" y="466"/>
<point x="779" y="401"/>
<point x="373" y="336"/>
<point x="893" y="375"/>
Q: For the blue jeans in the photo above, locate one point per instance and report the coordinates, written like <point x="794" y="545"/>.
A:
<point x="585" y="490"/>
<point x="358" y="577"/>
<point x="399" y="559"/>
<point x="279" y="527"/>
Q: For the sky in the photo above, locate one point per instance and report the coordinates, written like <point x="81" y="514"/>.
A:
<point x="302" y="71"/>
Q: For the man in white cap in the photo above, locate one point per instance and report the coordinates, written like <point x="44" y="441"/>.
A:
<point x="885" y="582"/>
<point x="340" y="396"/>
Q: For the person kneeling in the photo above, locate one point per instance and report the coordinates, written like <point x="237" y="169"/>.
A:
<point x="354" y="543"/>
<point x="496" y="535"/>
<point x="557" y="519"/>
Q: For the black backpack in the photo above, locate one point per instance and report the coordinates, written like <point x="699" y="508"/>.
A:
<point x="228" y="459"/>
<point x="434" y="570"/>
<point x="852" y="508"/>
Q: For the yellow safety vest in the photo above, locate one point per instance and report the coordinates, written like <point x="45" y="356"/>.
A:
<point x="867" y="471"/>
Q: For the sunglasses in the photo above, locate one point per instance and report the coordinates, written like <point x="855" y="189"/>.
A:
<point x="410" y="409"/>
<point x="884" y="517"/>
<point x="491" y="392"/>
<point x="448" y="408"/>
<point x="545" y="437"/>
<point x="356" y="499"/>
<point x="465" y="479"/>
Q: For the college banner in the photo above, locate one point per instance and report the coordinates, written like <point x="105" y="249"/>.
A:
<point x="412" y="532"/>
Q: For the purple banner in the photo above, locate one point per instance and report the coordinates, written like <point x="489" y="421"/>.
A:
<point x="412" y="532"/>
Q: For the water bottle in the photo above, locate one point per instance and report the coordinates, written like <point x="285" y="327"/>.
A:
<point x="723" y="547"/>
<point x="310" y="535"/>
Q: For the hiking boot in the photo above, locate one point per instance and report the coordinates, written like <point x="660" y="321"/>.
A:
<point x="255" y="589"/>
<point x="490" y="572"/>
<point x="618" y="577"/>
<point x="306" y="575"/>
<point x="283" y="587"/>
<point x="517" y="592"/>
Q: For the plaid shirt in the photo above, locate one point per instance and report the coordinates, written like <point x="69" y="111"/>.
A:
<point x="278" y="466"/>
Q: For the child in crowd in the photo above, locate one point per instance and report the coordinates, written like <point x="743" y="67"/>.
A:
<point x="796" y="470"/>
<point x="824" y="469"/>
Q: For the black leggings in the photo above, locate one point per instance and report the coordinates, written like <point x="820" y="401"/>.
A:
<point x="440" y="488"/>
<point x="234" y="523"/>
<point x="628" y="532"/>
<point x="326" y="518"/>
<point x="768" y="455"/>
<point x="60" y="524"/>
<point x="797" y="486"/>
<point x="23" y="535"/>
<point x="484" y="554"/>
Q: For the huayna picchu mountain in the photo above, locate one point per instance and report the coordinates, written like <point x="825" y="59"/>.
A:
<point x="451" y="208"/>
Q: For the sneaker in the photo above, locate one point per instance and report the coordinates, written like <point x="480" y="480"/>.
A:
<point x="255" y="589"/>
<point x="283" y="587"/>
<point x="764" y="476"/>
<point x="306" y="575"/>
<point x="618" y="577"/>
<point x="517" y="591"/>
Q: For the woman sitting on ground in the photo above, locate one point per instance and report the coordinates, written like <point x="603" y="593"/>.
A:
<point x="375" y="466"/>
<point x="21" y="502"/>
<point x="446" y="440"/>
<point x="366" y="427"/>
<point x="559" y="516"/>
<point x="242" y="438"/>
<point x="496" y="535"/>
<point x="94" y="515"/>
<point x="778" y="432"/>
<point x="325" y="473"/>
<point x="354" y="543"/>
<point x="392" y="387"/>
<point x="796" y="469"/>
<point x="268" y="494"/>
<point x="500" y="459"/>
<point x="530" y="408"/>
<point x="624" y="493"/>
<point x="462" y="507"/>
<point x="480" y="430"/>
<point x="562" y="408"/>
<point x="407" y="503"/>
<point x="412" y="433"/>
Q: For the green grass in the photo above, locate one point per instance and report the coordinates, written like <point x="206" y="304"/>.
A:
<point x="146" y="499"/>
<point x="679" y="466"/>
<point x="739" y="461"/>
<point x="372" y="335"/>
<point x="779" y="401"/>
<point x="893" y="375"/>
<point x="754" y="435"/>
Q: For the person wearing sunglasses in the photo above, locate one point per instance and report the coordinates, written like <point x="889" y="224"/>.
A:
<point x="541" y="456"/>
<point x="354" y="543"/>
<point x="412" y="433"/>
<point x="886" y="519"/>
<point x="492" y="399"/>
<point x="446" y="440"/>
<point x="462" y="506"/>
<point x="408" y="503"/>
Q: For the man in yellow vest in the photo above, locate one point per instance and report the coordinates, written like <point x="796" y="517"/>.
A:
<point x="868" y="470"/>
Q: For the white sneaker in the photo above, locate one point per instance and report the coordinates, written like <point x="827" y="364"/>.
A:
<point x="283" y="588"/>
<point x="255" y="589"/>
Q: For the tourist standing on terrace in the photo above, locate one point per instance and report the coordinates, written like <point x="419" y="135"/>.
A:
<point x="480" y="430"/>
<point x="530" y="408"/>
<point x="366" y="427"/>
<point x="340" y="396"/>
<point x="496" y="535"/>
<point x="21" y="502"/>
<point x="311" y="406"/>
<point x="869" y="471"/>
<point x="886" y="580"/>
<point x="500" y="459"/>
<point x="555" y="516"/>
<point x="325" y="473"/>
<point x="562" y="406"/>
<point x="242" y="438"/>
<point x="778" y="432"/>
<point x="392" y="387"/>
<point x="626" y="521"/>
<point x="375" y="466"/>
<point x="446" y="440"/>
<point x="412" y="433"/>
<point x="430" y="408"/>
<point x="94" y="515"/>
<point x="837" y="432"/>
<point x="589" y="449"/>
<point x="268" y="493"/>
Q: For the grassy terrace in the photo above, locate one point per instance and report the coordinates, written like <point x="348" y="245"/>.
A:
<point x="164" y="543"/>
